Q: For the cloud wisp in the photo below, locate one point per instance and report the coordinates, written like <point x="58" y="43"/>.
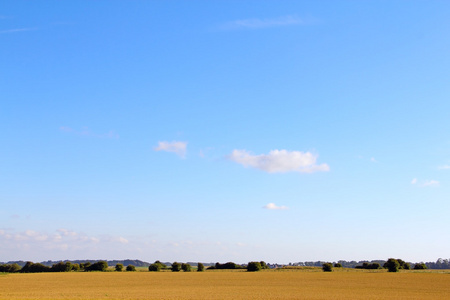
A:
<point x="256" y="23"/>
<point x="179" y="148"/>
<point x="279" y="161"/>
<point x="15" y="30"/>
<point x="431" y="183"/>
<point x="60" y="239"/>
<point x="444" y="167"/>
<point x="426" y="183"/>
<point x="273" y="206"/>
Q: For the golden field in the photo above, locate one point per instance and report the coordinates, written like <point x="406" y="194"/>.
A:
<point x="268" y="284"/>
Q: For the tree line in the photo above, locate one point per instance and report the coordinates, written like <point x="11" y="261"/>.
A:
<point x="102" y="266"/>
<point x="393" y="265"/>
<point x="31" y="267"/>
<point x="439" y="264"/>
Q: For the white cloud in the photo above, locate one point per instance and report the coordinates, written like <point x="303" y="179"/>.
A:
<point x="256" y="23"/>
<point x="16" y="30"/>
<point x="179" y="148"/>
<point x="279" y="161"/>
<point x="122" y="240"/>
<point x="61" y="243"/>
<point x="426" y="183"/>
<point x="431" y="183"/>
<point x="372" y="159"/>
<point x="273" y="206"/>
<point x="444" y="167"/>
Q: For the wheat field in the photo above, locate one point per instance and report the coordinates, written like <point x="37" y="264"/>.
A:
<point x="270" y="284"/>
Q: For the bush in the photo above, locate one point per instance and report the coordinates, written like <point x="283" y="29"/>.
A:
<point x="392" y="265"/>
<point x="254" y="266"/>
<point x="225" y="266"/>
<point x="61" y="267"/>
<point x="34" y="268"/>
<point x="119" y="267"/>
<point x="13" y="268"/>
<point x="200" y="267"/>
<point x="420" y="266"/>
<point x="176" y="267"/>
<point x="163" y="266"/>
<point x="338" y="265"/>
<point x="85" y="266"/>
<point x="327" y="267"/>
<point x="155" y="267"/>
<point x="131" y="268"/>
<point x="75" y="267"/>
<point x="186" y="267"/>
<point x="264" y="265"/>
<point x="98" y="266"/>
<point x="372" y="266"/>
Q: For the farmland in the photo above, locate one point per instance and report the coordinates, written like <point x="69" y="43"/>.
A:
<point x="270" y="284"/>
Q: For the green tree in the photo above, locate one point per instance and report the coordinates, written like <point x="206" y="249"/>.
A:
<point x="264" y="265"/>
<point x="131" y="268"/>
<point x="420" y="266"/>
<point x="176" y="267"/>
<point x="186" y="267"/>
<point x="162" y="266"/>
<point x="338" y="265"/>
<point x="254" y="266"/>
<point x="75" y="267"/>
<point x="392" y="265"/>
<point x="327" y="267"/>
<point x="85" y="266"/>
<point x="61" y="267"/>
<point x="119" y="267"/>
<point x="155" y="267"/>
<point x="13" y="268"/>
<point x="98" y="266"/>
<point x="200" y="267"/>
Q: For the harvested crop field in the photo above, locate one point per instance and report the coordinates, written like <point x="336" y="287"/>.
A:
<point x="271" y="284"/>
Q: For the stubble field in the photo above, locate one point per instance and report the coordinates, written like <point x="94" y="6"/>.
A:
<point x="270" y="284"/>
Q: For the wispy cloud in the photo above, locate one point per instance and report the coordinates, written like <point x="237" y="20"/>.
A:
<point x="431" y="183"/>
<point x="279" y="161"/>
<point x="426" y="183"/>
<point x="273" y="206"/>
<point x="444" y="167"/>
<point x="256" y="23"/>
<point x="16" y="30"/>
<point x="60" y="240"/>
<point x="85" y="131"/>
<point x="179" y="148"/>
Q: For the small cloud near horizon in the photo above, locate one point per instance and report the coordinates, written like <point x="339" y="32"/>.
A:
<point x="179" y="148"/>
<point x="273" y="206"/>
<point x="444" y="167"/>
<point x="279" y="161"/>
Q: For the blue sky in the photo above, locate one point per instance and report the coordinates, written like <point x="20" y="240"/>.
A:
<point x="281" y="131"/>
